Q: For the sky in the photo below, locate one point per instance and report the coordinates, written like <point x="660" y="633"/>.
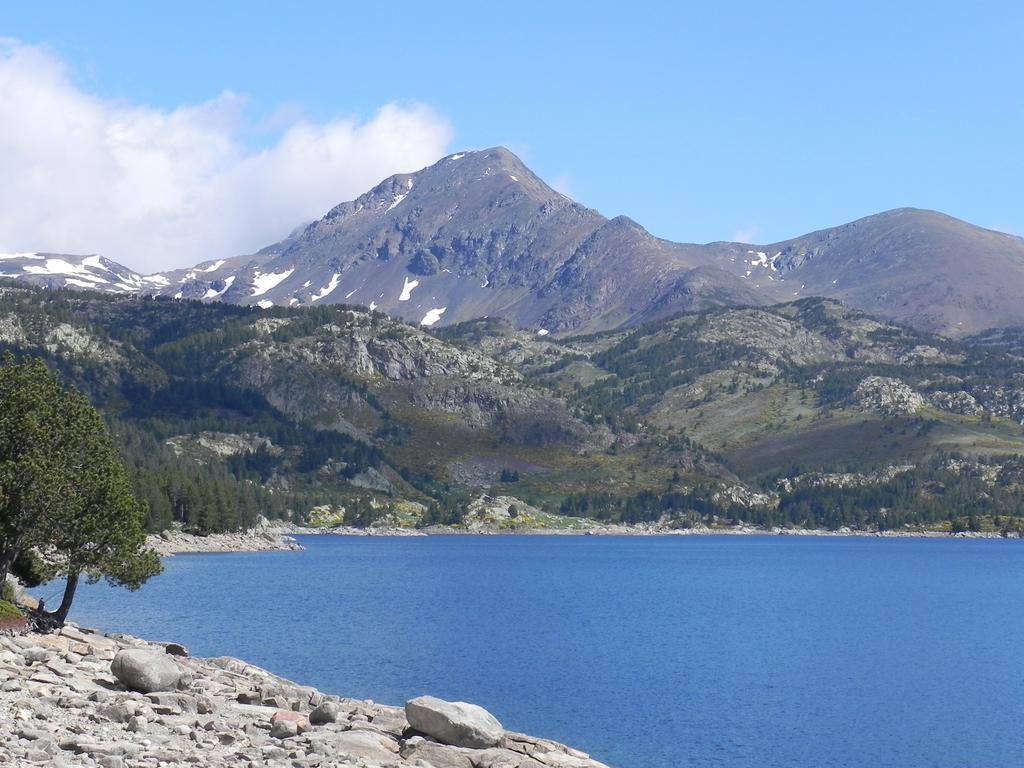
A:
<point x="160" y="136"/>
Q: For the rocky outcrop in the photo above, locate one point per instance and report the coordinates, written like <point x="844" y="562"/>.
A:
<point x="888" y="396"/>
<point x="259" y="539"/>
<point x="957" y="402"/>
<point x="65" y="707"/>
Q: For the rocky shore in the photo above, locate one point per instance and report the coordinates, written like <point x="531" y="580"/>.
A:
<point x="81" y="698"/>
<point x="648" y="529"/>
<point x="171" y="543"/>
<point x="272" y="537"/>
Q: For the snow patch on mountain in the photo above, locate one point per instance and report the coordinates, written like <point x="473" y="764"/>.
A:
<point x="407" y="289"/>
<point x="328" y="289"/>
<point x="212" y="293"/>
<point x="263" y="282"/>
<point x="432" y="316"/>
<point x="94" y="262"/>
<point x="63" y="268"/>
<point x="398" y="199"/>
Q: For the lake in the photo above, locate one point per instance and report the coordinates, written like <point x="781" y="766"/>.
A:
<point x="645" y="652"/>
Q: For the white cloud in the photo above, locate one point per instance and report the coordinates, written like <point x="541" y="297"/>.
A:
<point x="155" y="188"/>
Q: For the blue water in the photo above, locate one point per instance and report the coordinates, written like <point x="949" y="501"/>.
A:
<point x="645" y="652"/>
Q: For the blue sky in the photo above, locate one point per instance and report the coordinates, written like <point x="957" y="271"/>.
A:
<point x="756" y="121"/>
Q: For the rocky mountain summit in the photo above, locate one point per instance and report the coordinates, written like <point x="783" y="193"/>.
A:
<point x="475" y="234"/>
<point x="478" y="234"/>
<point x="81" y="698"/>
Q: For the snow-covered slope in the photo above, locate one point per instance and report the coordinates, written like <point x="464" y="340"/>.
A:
<point x="478" y="234"/>
<point x="56" y="270"/>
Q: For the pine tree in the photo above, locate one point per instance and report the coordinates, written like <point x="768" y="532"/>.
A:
<point x="63" y="487"/>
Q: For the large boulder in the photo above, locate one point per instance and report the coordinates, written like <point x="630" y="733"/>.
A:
<point x="145" y="671"/>
<point x="327" y="712"/>
<point x="454" y="722"/>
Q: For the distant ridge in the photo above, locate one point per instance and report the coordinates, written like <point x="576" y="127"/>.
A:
<point x="478" y="234"/>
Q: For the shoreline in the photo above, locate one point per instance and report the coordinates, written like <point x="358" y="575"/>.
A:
<point x="82" y="697"/>
<point x="270" y="538"/>
<point x="644" y="531"/>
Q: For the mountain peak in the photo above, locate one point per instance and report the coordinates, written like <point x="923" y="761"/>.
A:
<point x="478" y="234"/>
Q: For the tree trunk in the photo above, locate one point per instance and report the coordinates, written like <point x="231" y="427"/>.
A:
<point x="69" y="595"/>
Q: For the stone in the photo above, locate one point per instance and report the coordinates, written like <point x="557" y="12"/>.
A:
<point x="371" y="747"/>
<point x="418" y="750"/>
<point x="112" y="761"/>
<point x="301" y="721"/>
<point x="506" y="758"/>
<point x="176" y="649"/>
<point x="166" y="703"/>
<point x="205" y="705"/>
<point x="32" y="734"/>
<point x="137" y="724"/>
<point x="36" y="655"/>
<point x="145" y="671"/>
<point x="391" y="721"/>
<point x="118" y="713"/>
<point x="454" y="722"/>
<point x="325" y="713"/>
<point x="283" y="729"/>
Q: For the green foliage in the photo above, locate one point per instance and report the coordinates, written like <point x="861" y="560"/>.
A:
<point x="9" y="610"/>
<point x="63" y="486"/>
<point x="32" y="454"/>
<point x="451" y="509"/>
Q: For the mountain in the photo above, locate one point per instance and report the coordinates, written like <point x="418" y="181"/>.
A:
<point x="920" y="268"/>
<point x="478" y="234"/>
<point x="91" y="272"/>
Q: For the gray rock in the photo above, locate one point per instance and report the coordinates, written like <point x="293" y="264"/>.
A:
<point x="145" y="671"/>
<point x="36" y="655"/>
<point x="283" y="729"/>
<point x="505" y="758"/>
<point x="166" y="703"/>
<point x="454" y="722"/>
<point x="118" y="713"/>
<point x="371" y="747"/>
<point x="325" y="713"/>
<point x="418" y="750"/>
<point x="32" y="734"/>
<point x="176" y="649"/>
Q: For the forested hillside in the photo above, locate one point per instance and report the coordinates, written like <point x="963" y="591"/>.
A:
<point x="806" y="414"/>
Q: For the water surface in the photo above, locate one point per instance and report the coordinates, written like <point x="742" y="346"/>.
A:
<point x="645" y="652"/>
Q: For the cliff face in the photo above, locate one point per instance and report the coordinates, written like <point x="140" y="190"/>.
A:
<point x="70" y="705"/>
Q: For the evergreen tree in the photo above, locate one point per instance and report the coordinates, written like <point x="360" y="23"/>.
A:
<point x="73" y="500"/>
